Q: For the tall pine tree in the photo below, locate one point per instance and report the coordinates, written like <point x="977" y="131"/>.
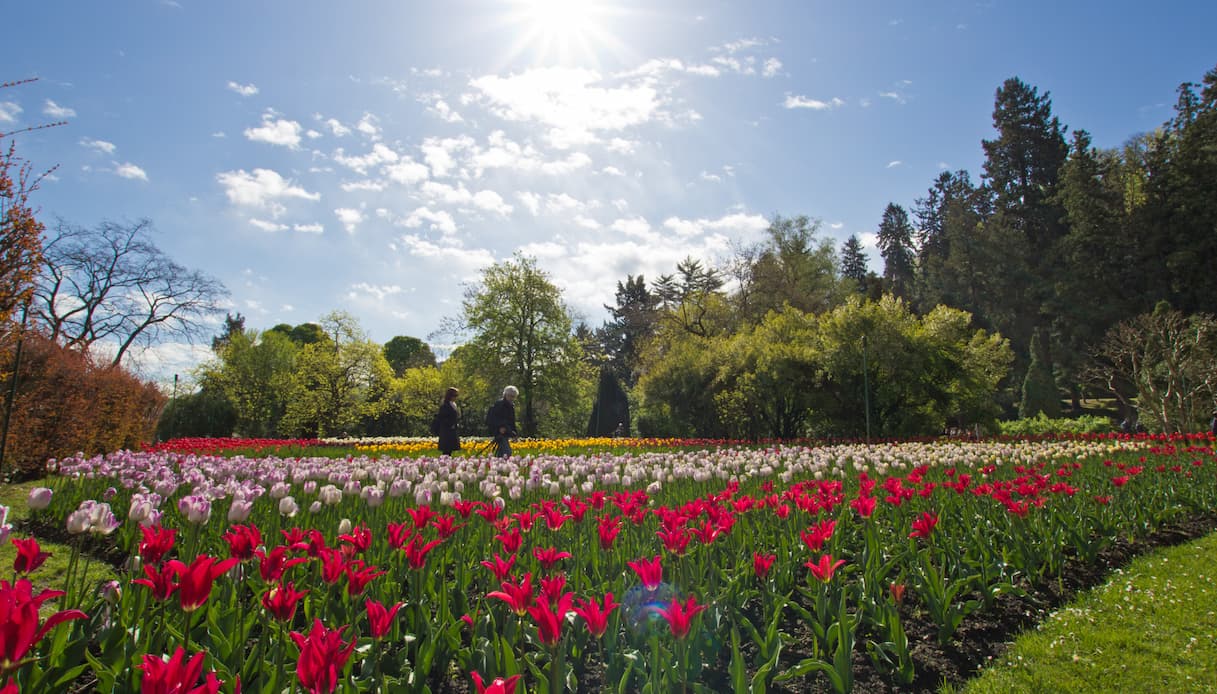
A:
<point x="896" y="246"/>
<point x="853" y="262"/>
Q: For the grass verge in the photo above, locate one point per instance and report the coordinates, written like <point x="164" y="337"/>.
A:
<point x="1150" y="628"/>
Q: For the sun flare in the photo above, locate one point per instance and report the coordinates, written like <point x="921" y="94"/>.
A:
<point x="563" y="31"/>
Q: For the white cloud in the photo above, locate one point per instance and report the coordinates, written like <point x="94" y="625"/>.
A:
<point x="380" y="154"/>
<point x="798" y="101"/>
<point x="573" y="103"/>
<point x="276" y="131"/>
<point x="620" y="146"/>
<point x="505" y="153"/>
<point x="267" y="226"/>
<point x="380" y="292"/>
<point x="612" y="171"/>
<point x="893" y="164"/>
<point x="337" y="127"/>
<point x="369" y="125"/>
<point x="313" y="228"/>
<point x="312" y="134"/>
<point x="772" y="67"/>
<point x="406" y="171"/>
<point x="894" y="96"/>
<point x="634" y="226"/>
<point x="463" y="262"/>
<point x="243" y="89"/>
<point x="365" y="185"/>
<point x="350" y="218"/>
<point x="129" y="170"/>
<point x="439" y="220"/>
<point x="54" y="110"/>
<point x="532" y="201"/>
<point x="440" y="108"/>
<point x="9" y="111"/>
<point x="219" y="134"/>
<point x="738" y="223"/>
<point x="586" y="222"/>
<point x="100" y="146"/>
<point x="837" y="225"/>
<point x="544" y="250"/>
<point x="264" y="188"/>
<point x="713" y="178"/>
<point x="491" y="202"/>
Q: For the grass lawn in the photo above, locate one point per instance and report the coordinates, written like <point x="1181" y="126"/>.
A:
<point x="1151" y="628"/>
<point x="53" y="572"/>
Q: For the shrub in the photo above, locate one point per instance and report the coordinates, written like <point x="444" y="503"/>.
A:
<point x="66" y="404"/>
<point x="1042" y="424"/>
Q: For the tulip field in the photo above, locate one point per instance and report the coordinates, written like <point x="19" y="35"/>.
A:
<point x="721" y="568"/>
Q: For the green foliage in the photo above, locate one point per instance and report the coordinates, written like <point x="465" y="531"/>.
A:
<point x="207" y="412"/>
<point x="255" y="371"/>
<point x="798" y="374"/>
<point x="895" y="240"/>
<point x="1041" y="425"/>
<point x="404" y="352"/>
<point x="522" y="335"/>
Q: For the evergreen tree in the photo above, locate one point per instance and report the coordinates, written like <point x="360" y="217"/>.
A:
<point x="633" y="321"/>
<point x="853" y="262"/>
<point x="1039" y="387"/>
<point x="896" y="246"/>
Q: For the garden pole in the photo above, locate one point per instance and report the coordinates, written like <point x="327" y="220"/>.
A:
<point x="865" y="389"/>
<point x="12" y="388"/>
<point x="173" y="409"/>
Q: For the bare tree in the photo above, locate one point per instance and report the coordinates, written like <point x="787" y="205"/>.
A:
<point x="1163" y="365"/>
<point x="110" y="284"/>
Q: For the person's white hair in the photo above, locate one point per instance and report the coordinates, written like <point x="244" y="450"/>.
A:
<point x="511" y="390"/>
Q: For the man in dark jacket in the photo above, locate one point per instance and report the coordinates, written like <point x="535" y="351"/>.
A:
<point x="502" y="421"/>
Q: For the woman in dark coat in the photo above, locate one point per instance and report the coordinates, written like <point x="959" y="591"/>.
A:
<point x="447" y="417"/>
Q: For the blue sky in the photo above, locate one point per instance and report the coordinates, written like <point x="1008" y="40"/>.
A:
<point x="375" y="156"/>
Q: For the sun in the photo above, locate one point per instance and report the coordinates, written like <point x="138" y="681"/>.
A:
<point x="563" y="32"/>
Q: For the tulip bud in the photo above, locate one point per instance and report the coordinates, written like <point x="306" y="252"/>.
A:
<point x="40" y="498"/>
<point x="288" y="506"/>
<point x="344" y="526"/>
<point x="111" y="592"/>
<point x="315" y="507"/>
<point x="78" y="522"/>
<point x="239" y="511"/>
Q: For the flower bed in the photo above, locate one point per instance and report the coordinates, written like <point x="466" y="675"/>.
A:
<point x="788" y="566"/>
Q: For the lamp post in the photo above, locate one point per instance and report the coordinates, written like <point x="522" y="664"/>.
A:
<point x="173" y="409"/>
<point x="865" y="389"/>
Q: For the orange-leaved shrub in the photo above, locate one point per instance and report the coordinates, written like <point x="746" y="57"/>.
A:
<point x="66" y="403"/>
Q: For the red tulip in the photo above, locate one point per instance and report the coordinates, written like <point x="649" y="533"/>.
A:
<point x="707" y="533"/>
<point x="465" y="508"/>
<point x="178" y="676"/>
<point x="380" y="620"/>
<point x="498" y="686"/>
<point x="359" y="576"/>
<point x="824" y="569"/>
<point x="511" y="539"/>
<point x="761" y="563"/>
<point x="650" y="572"/>
<point x="242" y="541"/>
<point x="333" y="566"/>
<point x="160" y="579"/>
<point x="608" y="527"/>
<point x="399" y="533"/>
<point x="680" y="616"/>
<point x="19" y="617"/>
<point x="552" y="587"/>
<point x="675" y="540"/>
<point x="897" y="591"/>
<point x="518" y="595"/>
<point x="421" y="516"/>
<point x="416" y="552"/>
<point x="554" y="516"/>
<point x="596" y="615"/>
<point x="864" y="505"/>
<point x="197" y="579"/>
<point x="322" y="657"/>
<point x="549" y="619"/>
<point x="29" y="555"/>
<point x="815" y="536"/>
<point x="549" y="556"/>
<point x="526" y="519"/>
<point x="445" y="526"/>
<point x="281" y="600"/>
<point x="501" y="569"/>
<point x="156" y="543"/>
<point x="360" y="538"/>
<point x="272" y="566"/>
<point x="924" y="525"/>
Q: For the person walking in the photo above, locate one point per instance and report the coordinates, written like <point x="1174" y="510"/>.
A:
<point x="501" y="420"/>
<point x="446" y="420"/>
